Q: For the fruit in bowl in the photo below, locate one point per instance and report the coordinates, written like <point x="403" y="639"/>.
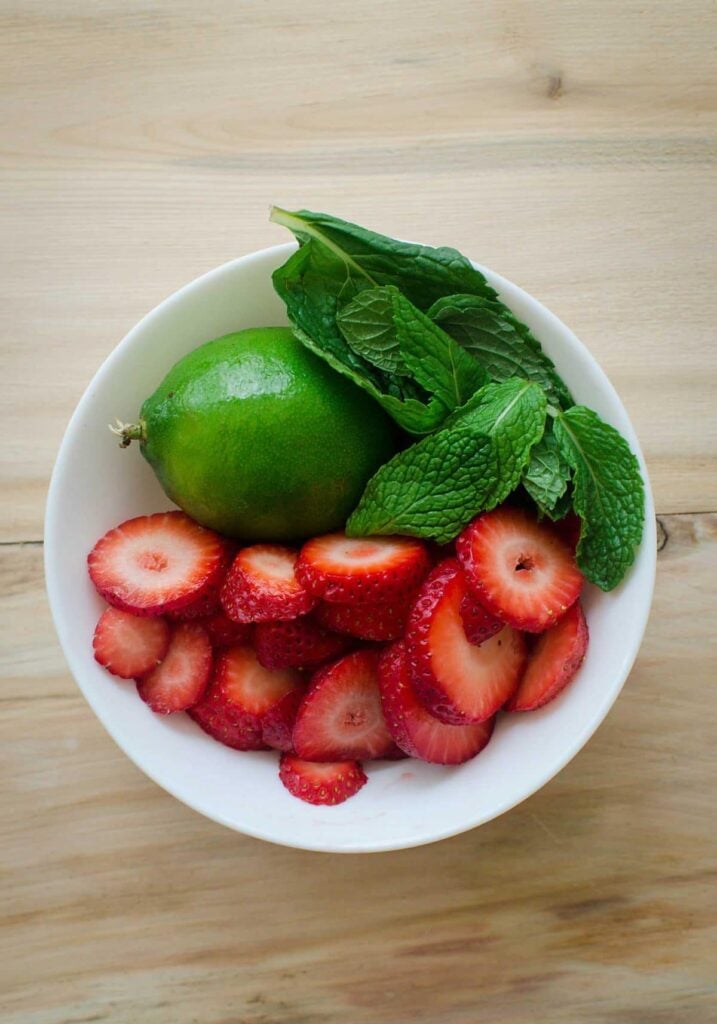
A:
<point x="399" y="580"/>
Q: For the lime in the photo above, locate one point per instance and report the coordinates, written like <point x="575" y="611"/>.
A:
<point x="258" y="438"/>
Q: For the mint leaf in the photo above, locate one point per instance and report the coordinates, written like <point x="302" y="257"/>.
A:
<point x="436" y="486"/>
<point x="608" y="494"/>
<point x="368" y="328"/>
<point x="311" y="283"/>
<point x="503" y="345"/>
<point x="421" y="272"/>
<point x="385" y="328"/>
<point x="547" y="476"/>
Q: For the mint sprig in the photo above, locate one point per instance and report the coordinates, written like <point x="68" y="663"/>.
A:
<point x="422" y="331"/>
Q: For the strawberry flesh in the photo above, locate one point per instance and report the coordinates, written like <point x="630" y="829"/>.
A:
<point x="329" y="783"/>
<point x="379" y="622"/>
<point x="297" y="643"/>
<point x="181" y="679"/>
<point x="277" y="725"/>
<point x="155" y="564"/>
<point x="129" y="645"/>
<point x="362" y="570"/>
<point x="242" y="693"/>
<point x="262" y="586"/>
<point x="554" y="661"/>
<point x="340" y="718"/>
<point x="456" y="681"/>
<point x="413" y="728"/>
<point x="519" y="569"/>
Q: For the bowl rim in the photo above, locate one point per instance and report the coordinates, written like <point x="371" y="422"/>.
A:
<point x="580" y="738"/>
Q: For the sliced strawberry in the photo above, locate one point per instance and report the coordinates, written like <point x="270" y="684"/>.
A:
<point x="416" y="731"/>
<point x="277" y="725"/>
<point x="328" y="783"/>
<point x="241" y="695"/>
<point x="340" y="717"/>
<point x="377" y="622"/>
<point x="455" y="680"/>
<point x="224" y="632"/>
<point x="156" y="564"/>
<point x="362" y="570"/>
<point x="297" y="643"/>
<point x="262" y="586"/>
<point x="127" y="645"/>
<point x="554" y="661"/>
<point x="478" y="623"/>
<point x="520" y="570"/>
<point x="179" y="682"/>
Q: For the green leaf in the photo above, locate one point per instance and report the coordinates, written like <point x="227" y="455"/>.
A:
<point x="547" y="476"/>
<point x="421" y="272"/>
<point x="503" y="345"/>
<point x="608" y="494"/>
<point x="312" y="283"/>
<point x="436" y="486"/>
<point x="385" y="328"/>
<point x="368" y="328"/>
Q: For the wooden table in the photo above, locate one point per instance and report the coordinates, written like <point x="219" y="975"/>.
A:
<point x="566" y="144"/>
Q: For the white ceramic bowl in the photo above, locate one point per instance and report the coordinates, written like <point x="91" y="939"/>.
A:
<point x="406" y="803"/>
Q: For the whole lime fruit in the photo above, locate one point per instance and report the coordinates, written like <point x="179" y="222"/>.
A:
<point x="256" y="437"/>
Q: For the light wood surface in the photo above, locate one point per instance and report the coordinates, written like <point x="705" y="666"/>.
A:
<point x="570" y="146"/>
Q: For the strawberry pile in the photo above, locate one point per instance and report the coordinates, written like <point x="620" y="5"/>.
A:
<point x="347" y="650"/>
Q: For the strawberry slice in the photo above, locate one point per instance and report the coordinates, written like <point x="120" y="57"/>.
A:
<point x="224" y="632"/>
<point x="277" y="725"/>
<point x="127" y="645"/>
<point x="416" y="731"/>
<point x="262" y="586"/>
<point x="156" y="564"/>
<point x="182" y="678"/>
<point x="520" y="570"/>
<point x="296" y="643"/>
<point x="478" y="623"/>
<point x="240" y="696"/>
<point x="555" y="659"/>
<point x="340" y="717"/>
<point x="208" y="602"/>
<point x="455" y="680"/>
<point x="378" y="622"/>
<point x="362" y="570"/>
<point x="328" y="783"/>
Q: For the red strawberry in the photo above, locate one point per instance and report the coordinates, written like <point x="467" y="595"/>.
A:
<point x="208" y="602"/>
<point x="455" y="680"/>
<point x="262" y="586"/>
<point x="297" y="643"/>
<point x="277" y="725"/>
<point x="240" y="696"/>
<point x="127" y="645"/>
<point x="413" y="728"/>
<point x="377" y="622"/>
<point x="224" y="632"/>
<point x="555" y="659"/>
<point x="328" y="783"/>
<point x="519" y="569"/>
<point x="340" y="717"/>
<point x="478" y="623"/>
<point x="362" y="570"/>
<point x="156" y="564"/>
<point x="181" y="679"/>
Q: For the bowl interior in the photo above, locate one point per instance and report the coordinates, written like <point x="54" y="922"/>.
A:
<point x="96" y="485"/>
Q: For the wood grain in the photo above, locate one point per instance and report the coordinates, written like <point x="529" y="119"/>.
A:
<point x="592" y="901"/>
<point x="569" y="145"/>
